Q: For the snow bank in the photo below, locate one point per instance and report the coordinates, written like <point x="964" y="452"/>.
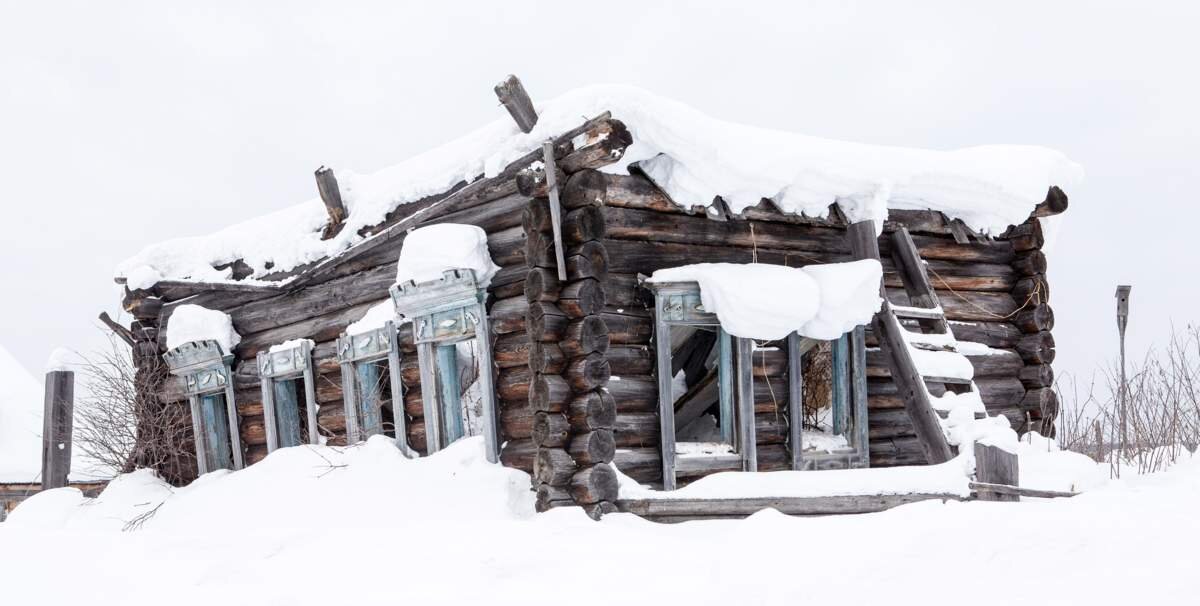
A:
<point x="763" y="301"/>
<point x="693" y="157"/>
<point x="430" y="251"/>
<point x="191" y="323"/>
<point x="61" y="359"/>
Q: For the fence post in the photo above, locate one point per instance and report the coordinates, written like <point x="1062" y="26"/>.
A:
<point x="57" y="426"/>
<point x="994" y="465"/>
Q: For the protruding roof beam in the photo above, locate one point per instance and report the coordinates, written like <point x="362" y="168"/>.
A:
<point x="512" y="94"/>
<point x="327" y="186"/>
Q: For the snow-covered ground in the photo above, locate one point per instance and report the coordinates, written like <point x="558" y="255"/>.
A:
<point x="364" y="525"/>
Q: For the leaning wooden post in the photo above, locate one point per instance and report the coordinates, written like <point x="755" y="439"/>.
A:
<point x="555" y="209"/>
<point x="994" y="465"/>
<point x="57" y="426"/>
<point x="512" y="94"/>
<point x="331" y="195"/>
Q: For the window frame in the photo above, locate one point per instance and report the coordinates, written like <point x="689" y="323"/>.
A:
<point x="356" y="354"/>
<point x="443" y="313"/>
<point x="207" y="374"/>
<point x="293" y="364"/>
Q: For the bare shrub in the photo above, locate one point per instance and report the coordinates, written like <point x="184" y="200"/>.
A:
<point x="1160" y="420"/>
<point x="122" y="422"/>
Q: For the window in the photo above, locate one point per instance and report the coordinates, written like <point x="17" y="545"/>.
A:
<point x="288" y="387"/>
<point x="454" y="353"/>
<point x="706" y="399"/>
<point x="207" y="383"/>
<point x="371" y="389"/>
<point x="828" y="380"/>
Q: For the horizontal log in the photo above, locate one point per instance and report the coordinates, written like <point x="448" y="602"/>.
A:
<point x="577" y="226"/>
<point x="553" y="466"/>
<point x="594" y="484"/>
<point x="1042" y="400"/>
<point x="681" y="509"/>
<point x="643" y="465"/>
<point x="633" y="394"/>
<point x="1032" y="290"/>
<point x="1037" y="348"/>
<point x="508" y="315"/>
<point x="634" y="256"/>
<point x="1037" y="375"/>
<point x="585" y="188"/>
<point x="588" y="260"/>
<point x="514" y="383"/>
<point x="507" y="246"/>
<point x="627" y="326"/>
<point x="591" y="411"/>
<point x="606" y="145"/>
<point x="673" y="227"/>
<point x="545" y="322"/>
<point x="549" y="393"/>
<point x="968" y="305"/>
<point x="636" y="429"/>
<point x="630" y="360"/>
<point x="546" y="358"/>
<point x="952" y="275"/>
<point x="587" y="373"/>
<point x="582" y="298"/>
<point x="1034" y="319"/>
<point x="518" y="454"/>
<point x="943" y="248"/>
<point x="510" y="350"/>
<point x="997" y="363"/>
<point x="541" y="284"/>
<point x="532" y="182"/>
<point x="318" y="328"/>
<point x="1030" y="263"/>
<point x="517" y="423"/>
<point x="1000" y="335"/>
<point x="584" y="336"/>
<point x="592" y="448"/>
<point x="551" y="430"/>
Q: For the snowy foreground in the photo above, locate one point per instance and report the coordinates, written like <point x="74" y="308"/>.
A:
<point x="365" y="526"/>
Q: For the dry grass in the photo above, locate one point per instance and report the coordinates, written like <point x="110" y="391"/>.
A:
<point x="1159" y="421"/>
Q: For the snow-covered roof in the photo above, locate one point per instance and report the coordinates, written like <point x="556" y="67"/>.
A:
<point x="691" y="156"/>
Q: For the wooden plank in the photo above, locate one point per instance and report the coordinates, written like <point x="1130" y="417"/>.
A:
<point x="666" y="404"/>
<point x="796" y="400"/>
<point x="215" y="426"/>
<point x="994" y="465"/>
<point x="798" y="506"/>
<point x="1004" y="489"/>
<point x="57" y="427"/>
<point x="555" y="209"/>
<point x="748" y="443"/>
<point x="840" y="380"/>
<point x="451" y="400"/>
<point x="858" y="375"/>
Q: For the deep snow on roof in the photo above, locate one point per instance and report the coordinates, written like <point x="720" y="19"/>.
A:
<point x="692" y="156"/>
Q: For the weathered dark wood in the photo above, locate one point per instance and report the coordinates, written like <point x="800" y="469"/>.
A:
<point x="994" y="465"/>
<point x="593" y="447"/>
<point x="634" y="394"/>
<point x="967" y="306"/>
<point x="546" y="358"/>
<point x="637" y="192"/>
<point x="646" y="257"/>
<point x="331" y="195"/>
<point x="518" y="423"/>
<point x="1043" y="400"/>
<point x="584" y="336"/>
<point x="508" y="315"/>
<point x="582" y="298"/>
<point x="578" y="225"/>
<point x="993" y="334"/>
<point x="1034" y="290"/>
<point x="591" y="411"/>
<point x="681" y="509"/>
<point x="519" y="454"/>
<point x="510" y="350"/>
<point x="588" y="260"/>
<point x="585" y="188"/>
<point x="631" y="360"/>
<point x="514" y="383"/>
<point x="1030" y="263"/>
<point x="980" y="488"/>
<point x="512" y="95"/>
<point x="370" y="285"/>
<point x="553" y="466"/>
<point x="120" y="331"/>
<point x="541" y="284"/>
<point x="1036" y="375"/>
<point x="549" y="393"/>
<point x="643" y="225"/>
<point x="628" y="327"/>
<point x="595" y="484"/>
<point x="532" y="182"/>
<point x="1026" y="236"/>
<point x="1034" y="319"/>
<point x="1055" y="203"/>
<point x="550" y="429"/>
<point x="999" y="363"/>
<point x="318" y="328"/>
<point x="545" y="322"/>
<point x="57" y="428"/>
<point x="588" y="372"/>
<point x="549" y="497"/>
<point x="636" y="429"/>
<point x="1037" y="348"/>
<point x="606" y="144"/>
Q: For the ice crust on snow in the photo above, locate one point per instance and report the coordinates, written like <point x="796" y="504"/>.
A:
<point x="693" y="157"/>
<point x="196" y="323"/>
<point x="763" y="301"/>
<point x="429" y="251"/>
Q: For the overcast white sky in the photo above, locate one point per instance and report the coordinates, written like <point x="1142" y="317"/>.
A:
<point x="124" y="124"/>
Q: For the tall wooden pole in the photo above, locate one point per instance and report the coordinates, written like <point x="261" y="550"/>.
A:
<point x="57" y="426"/>
<point x="1122" y="392"/>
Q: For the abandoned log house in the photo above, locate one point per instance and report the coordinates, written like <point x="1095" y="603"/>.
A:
<point x="590" y="340"/>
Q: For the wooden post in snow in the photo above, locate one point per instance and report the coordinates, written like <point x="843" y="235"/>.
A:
<point x="512" y="94"/>
<point x="327" y="186"/>
<point x="555" y="209"/>
<point x="57" y="426"/>
<point x="994" y="465"/>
